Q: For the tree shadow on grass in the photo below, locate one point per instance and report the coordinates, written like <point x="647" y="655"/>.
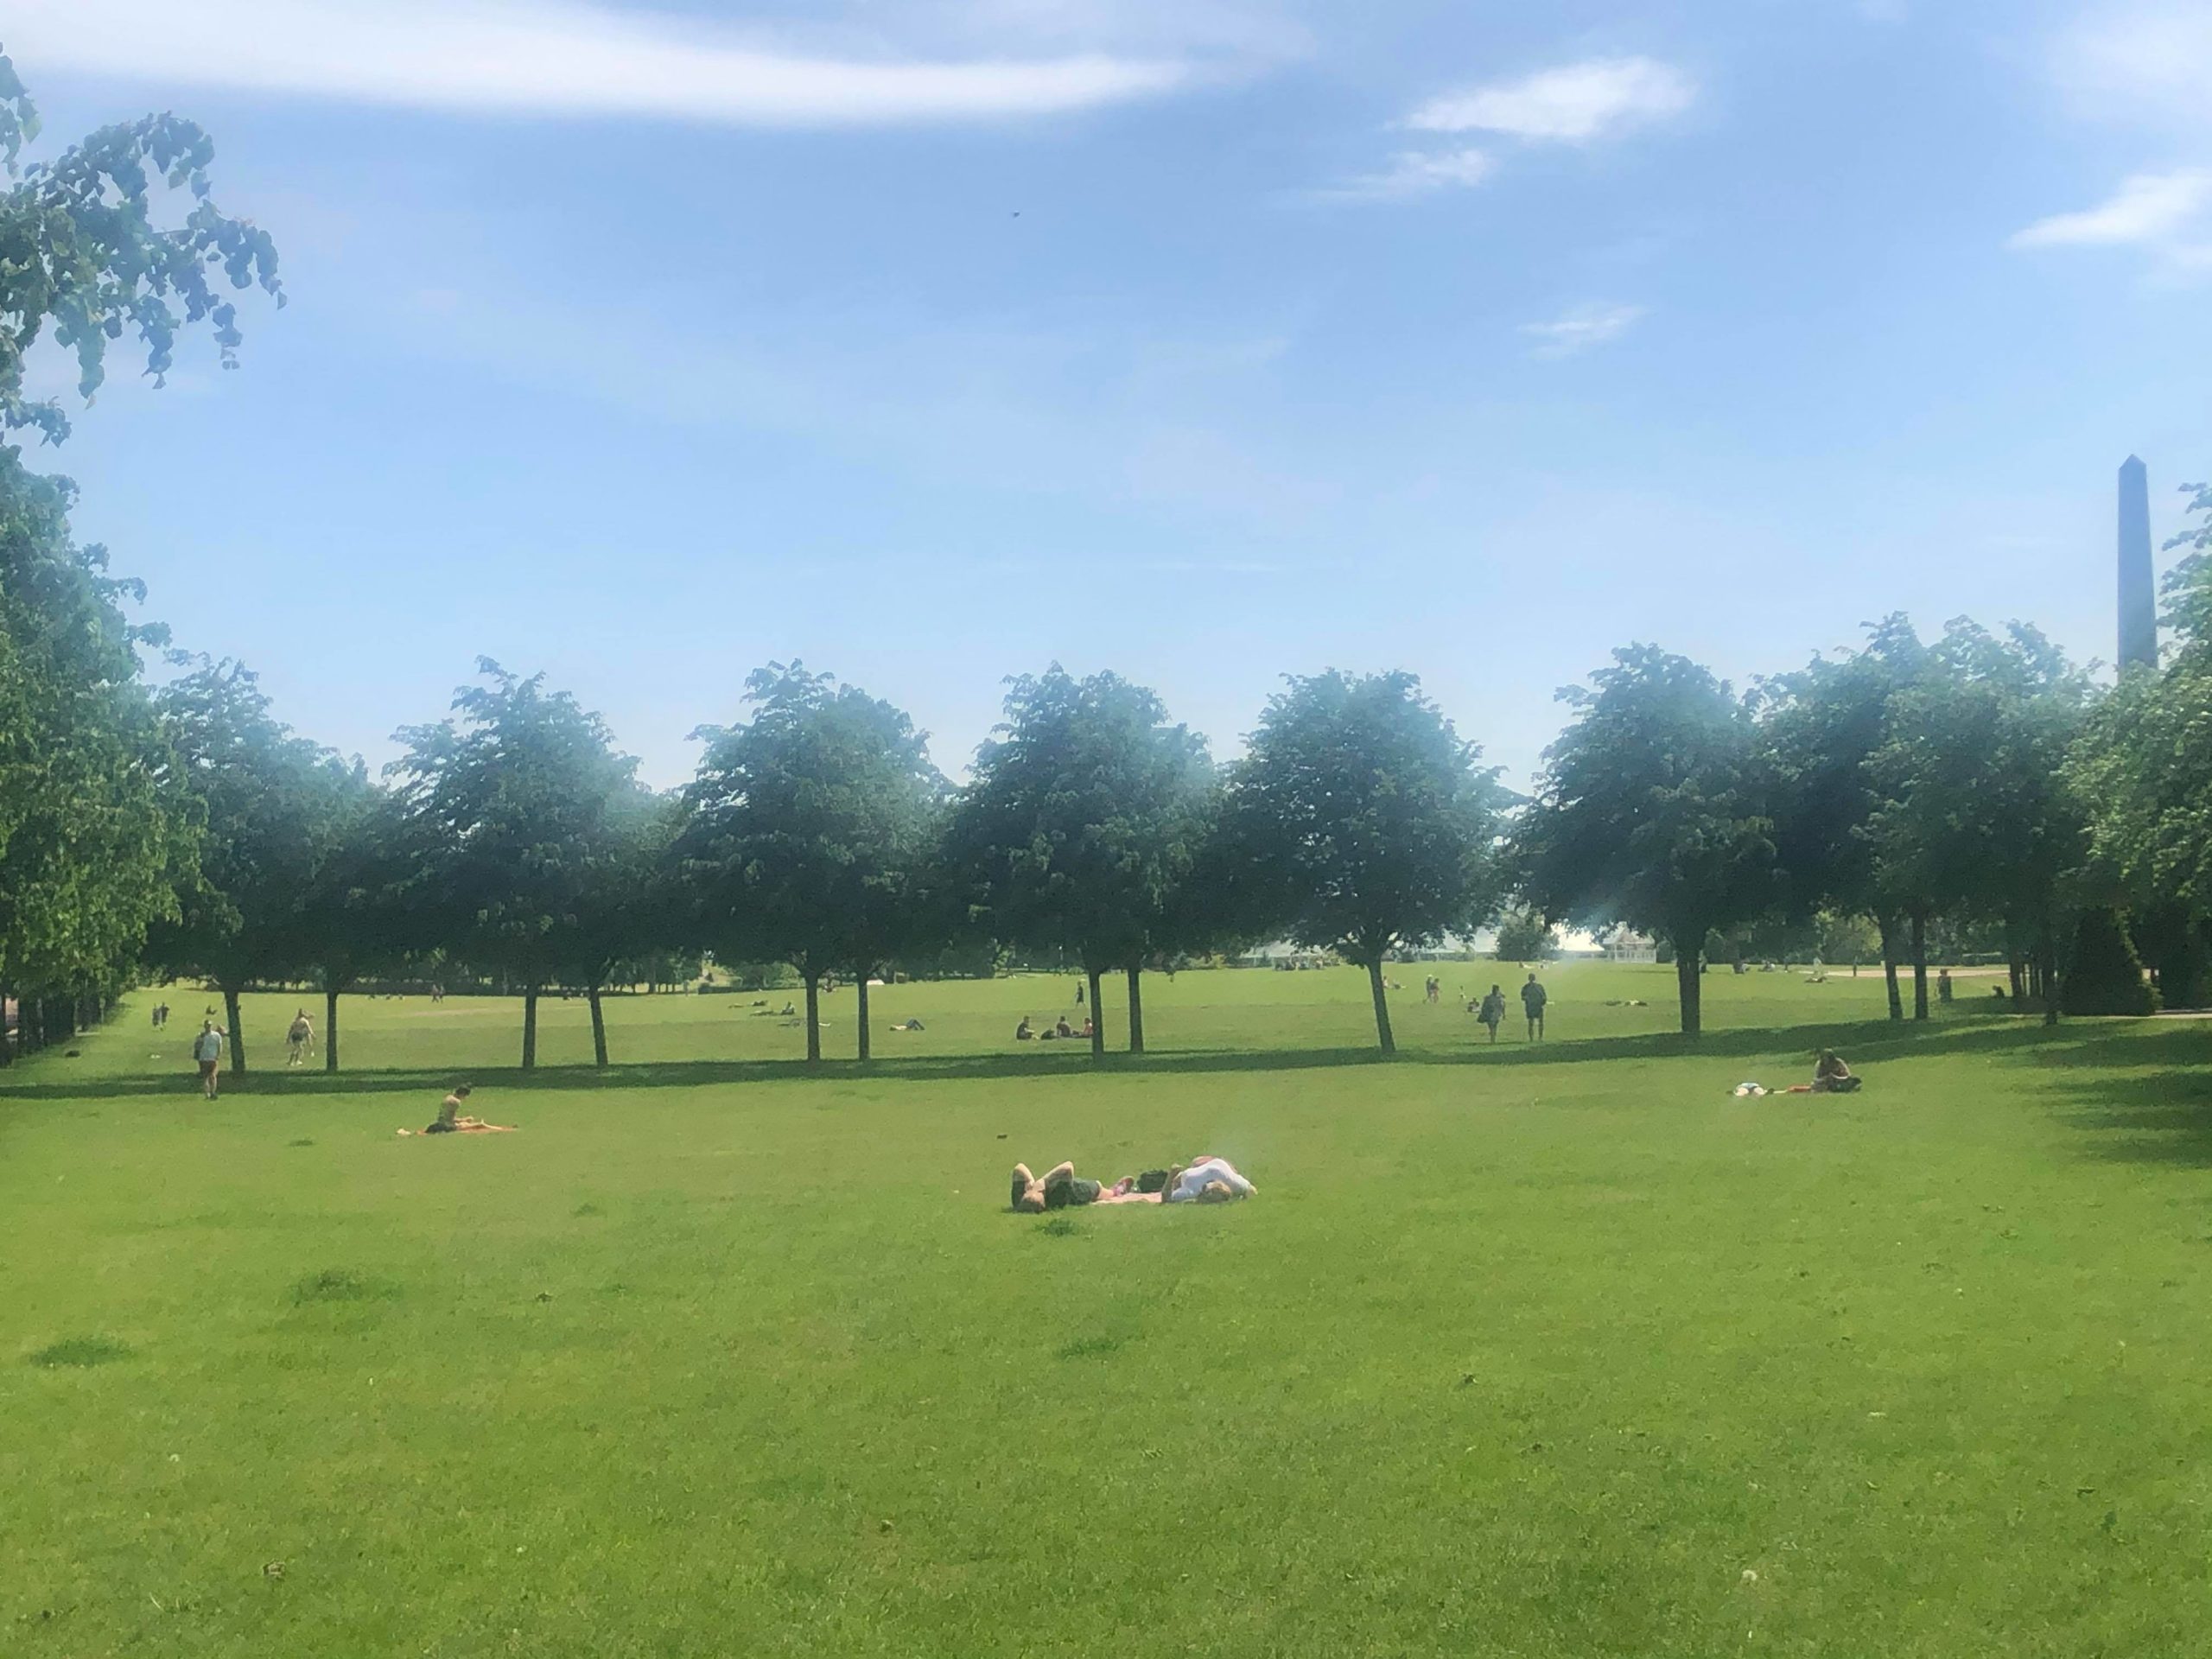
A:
<point x="1862" y="1041"/>
<point x="2143" y="1096"/>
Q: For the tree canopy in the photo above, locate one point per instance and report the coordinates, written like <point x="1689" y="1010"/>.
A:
<point x="1654" y="809"/>
<point x="808" y="832"/>
<point x="518" y="811"/>
<point x="1082" y="824"/>
<point x="1365" y="820"/>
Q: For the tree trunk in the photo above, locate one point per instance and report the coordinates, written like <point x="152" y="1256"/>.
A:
<point x="1919" y="964"/>
<point x="2019" y="977"/>
<point x="7" y="1047"/>
<point x="530" y="1029"/>
<point x="1381" y="1007"/>
<point x="1098" y="1017"/>
<point x="237" y="1032"/>
<point x="2051" y="985"/>
<point x="1136" y="1012"/>
<point x="1890" y="968"/>
<point x="860" y="983"/>
<point x="813" y="1018"/>
<point x="598" y="1030"/>
<point x="1689" y="989"/>
<point x="330" y="1030"/>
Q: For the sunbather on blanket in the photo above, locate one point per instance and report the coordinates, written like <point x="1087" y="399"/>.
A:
<point x="452" y="1121"/>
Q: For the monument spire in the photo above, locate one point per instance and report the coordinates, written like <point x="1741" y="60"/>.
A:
<point x="2138" y="608"/>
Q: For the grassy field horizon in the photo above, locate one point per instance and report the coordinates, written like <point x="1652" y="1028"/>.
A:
<point x="1537" y="1350"/>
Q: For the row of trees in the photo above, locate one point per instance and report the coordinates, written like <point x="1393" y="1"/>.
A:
<point x="1910" y="783"/>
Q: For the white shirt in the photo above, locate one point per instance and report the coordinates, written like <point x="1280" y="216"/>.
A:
<point x="1198" y="1177"/>
<point x="208" y="1046"/>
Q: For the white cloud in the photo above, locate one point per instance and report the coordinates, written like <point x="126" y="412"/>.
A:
<point x="1575" y="103"/>
<point x="553" y="59"/>
<point x="1413" y="174"/>
<point x="2150" y="209"/>
<point x="2139" y="64"/>
<point x="1581" y="328"/>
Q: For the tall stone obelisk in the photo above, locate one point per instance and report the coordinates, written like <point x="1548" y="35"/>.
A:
<point x="2138" y="605"/>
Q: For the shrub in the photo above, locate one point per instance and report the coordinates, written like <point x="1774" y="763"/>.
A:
<point x="2103" y="973"/>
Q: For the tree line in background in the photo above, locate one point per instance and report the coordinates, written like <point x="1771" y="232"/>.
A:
<point x="1894" y="794"/>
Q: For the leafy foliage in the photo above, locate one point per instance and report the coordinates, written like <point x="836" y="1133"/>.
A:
<point x="809" y="828"/>
<point x="1081" y="829"/>
<point x="82" y="251"/>
<point x="1365" y="823"/>
<point x="524" y="828"/>
<point x="1654" y="810"/>
<point x="93" y="835"/>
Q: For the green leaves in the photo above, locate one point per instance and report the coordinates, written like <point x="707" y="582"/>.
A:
<point x="1364" y="821"/>
<point x="1654" y="806"/>
<point x="1085" y="822"/>
<point x="808" y="830"/>
<point x="83" y="250"/>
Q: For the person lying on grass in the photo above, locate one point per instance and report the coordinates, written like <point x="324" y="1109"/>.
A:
<point x="1205" y="1180"/>
<point x="1830" y="1076"/>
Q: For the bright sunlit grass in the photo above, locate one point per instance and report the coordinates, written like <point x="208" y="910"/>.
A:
<point x="1546" y="1352"/>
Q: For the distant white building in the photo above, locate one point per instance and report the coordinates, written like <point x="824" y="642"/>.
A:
<point x="1625" y="946"/>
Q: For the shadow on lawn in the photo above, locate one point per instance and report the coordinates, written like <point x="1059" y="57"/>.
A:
<point x="2158" y="1111"/>
<point x="1863" y="1042"/>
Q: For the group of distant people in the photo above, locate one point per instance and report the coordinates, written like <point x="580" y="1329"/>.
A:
<point x="1027" y="1033"/>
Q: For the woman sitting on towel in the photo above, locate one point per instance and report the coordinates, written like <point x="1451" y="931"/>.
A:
<point x="1830" y="1076"/>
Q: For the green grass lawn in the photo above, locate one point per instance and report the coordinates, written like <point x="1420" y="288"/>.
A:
<point x="1555" y="1351"/>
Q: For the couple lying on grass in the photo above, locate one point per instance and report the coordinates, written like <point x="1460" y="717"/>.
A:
<point x="1204" y="1180"/>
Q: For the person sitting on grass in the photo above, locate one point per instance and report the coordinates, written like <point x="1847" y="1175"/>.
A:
<point x="1830" y="1076"/>
<point x="452" y="1121"/>
<point x="1024" y="1033"/>
<point x="1064" y="1029"/>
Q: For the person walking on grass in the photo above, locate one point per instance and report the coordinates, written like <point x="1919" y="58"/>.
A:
<point x="207" y="1050"/>
<point x="1533" y="998"/>
<point x="300" y="1040"/>
<point x="1492" y="1013"/>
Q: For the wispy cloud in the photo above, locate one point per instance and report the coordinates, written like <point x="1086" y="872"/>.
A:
<point x="559" y="59"/>
<point x="1574" y="103"/>
<point x="1412" y="174"/>
<point x="2149" y="210"/>
<point x="1582" y="328"/>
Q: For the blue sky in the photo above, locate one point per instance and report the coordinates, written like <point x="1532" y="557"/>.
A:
<point x="1203" y="340"/>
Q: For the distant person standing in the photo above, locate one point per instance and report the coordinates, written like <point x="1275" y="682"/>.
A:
<point x="1492" y="1013"/>
<point x="207" y="1050"/>
<point x="299" y="1040"/>
<point x="1533" y="998"/>
<point x="1434" y="989"/>
<point x="1943" y="986"/>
